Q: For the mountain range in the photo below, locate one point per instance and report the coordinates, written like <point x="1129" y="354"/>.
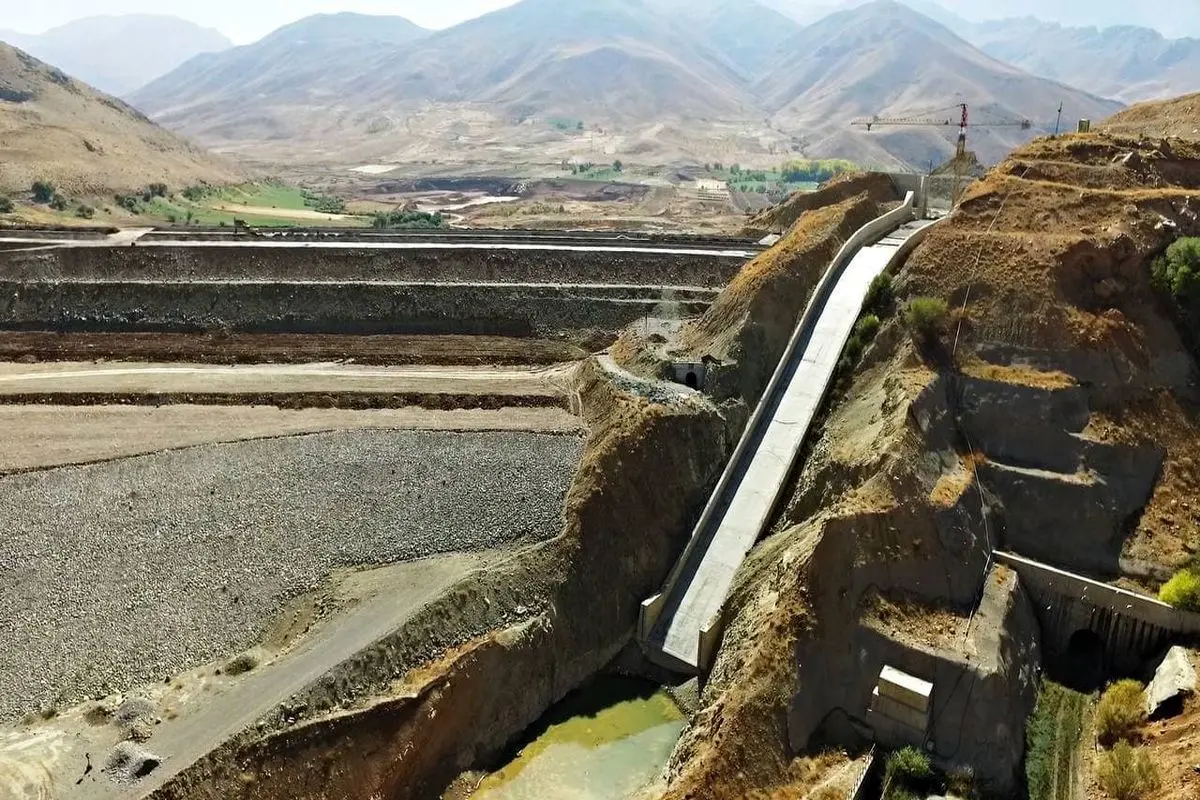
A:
<point x="56" y="128"/>
<point x="1123" y="61"/>
<point x="1126" y="63"/>
<point x="120" y="54"/>
<point x="1178" y="18"/>
<point x="660" y="79"/>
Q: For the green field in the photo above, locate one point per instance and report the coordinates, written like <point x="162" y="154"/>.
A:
<point x="203" y="206"/>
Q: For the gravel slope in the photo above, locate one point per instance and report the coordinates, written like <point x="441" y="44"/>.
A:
<point x="118" y="574"/>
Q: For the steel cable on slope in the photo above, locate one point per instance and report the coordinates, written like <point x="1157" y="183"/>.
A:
<point x="974" y="272"/>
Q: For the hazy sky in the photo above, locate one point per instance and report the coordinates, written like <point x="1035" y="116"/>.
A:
<point x="241" y="20"/>
<point x="245" y="21"/>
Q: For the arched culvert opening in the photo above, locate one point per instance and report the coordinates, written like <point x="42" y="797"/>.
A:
<point x="692" y="381"/>
<point x="840" y="731"/>
<point x="1084" y="666"/>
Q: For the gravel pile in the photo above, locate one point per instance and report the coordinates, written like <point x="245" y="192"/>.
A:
<point x="119" y="574"/>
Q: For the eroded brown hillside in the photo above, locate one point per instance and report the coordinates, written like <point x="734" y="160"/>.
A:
<point x="56" y="128"/>
<point x="1057" y="416"/>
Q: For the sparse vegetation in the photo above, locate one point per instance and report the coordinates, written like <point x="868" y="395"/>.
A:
<point x="43" y="192"/>
<point x="410" y="220"/>
<point x="242" y="664"/>
<point x="909" y="773"/>
<point x="325" y="204"/>
<point x="1121" y="712"/>
<point x="129" y="202"/>
<point x="6" y="205"/>
<point x="1183" y="590"/>
<point x="1051" y="739"/>
<point x="1177" y="275"/>
<point x="926" y="317"/>
<point x="819" y="171"/>
<point x="880" y="296"/>
<point x="877" y="306"/>
<point x="84" y="211"/>
<point x="157" y="190"/>
<point x="195" y="194"/>
<point x="961" y="783"/>
<point x="1126" y="772"/>
<point x="58" y="203"/>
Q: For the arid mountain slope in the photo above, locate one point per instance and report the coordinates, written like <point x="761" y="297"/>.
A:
<point x="746" y="32"/>
<point x="56" y="128"/>
<point x="118" y="54"/>
<point x="886" y="59"/>
<point x="1179" y="117"/>
<point x="603" y="60"/>
<point x="239" y="93"/>
<point x="1127" y="63"/>
<point x="658" y="81"/>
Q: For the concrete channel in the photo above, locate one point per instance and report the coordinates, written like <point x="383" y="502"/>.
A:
<point x="680" y="627"/>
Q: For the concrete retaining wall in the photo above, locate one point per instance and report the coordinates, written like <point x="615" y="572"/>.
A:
<point x="984" y="687"/>
<point x="281" y="307"/>
<point x="1132" y="626"/>
<point x="466" y="265"/>
<point x="752" y="437"/>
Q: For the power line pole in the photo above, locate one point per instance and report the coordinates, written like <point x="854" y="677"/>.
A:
<point x="1058" y="123"/>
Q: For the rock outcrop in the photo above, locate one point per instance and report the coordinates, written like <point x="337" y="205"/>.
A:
<point x="1174" y="678"/>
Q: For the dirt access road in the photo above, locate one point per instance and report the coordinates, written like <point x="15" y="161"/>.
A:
<point x="252" y="348"/>
<point x="201" y="710"/>
<point x="69" y="378"/>
<point x="42" y="437"/>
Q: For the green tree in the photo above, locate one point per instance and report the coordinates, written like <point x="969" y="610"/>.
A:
<point x="128" y="202"/>
<point x="158" y="190"/>
<point x="58" y="203"/>
<point x="6" y="205"/>
<point x="43" y="191"/>
<point x="1177" y="274"/>
<point x="408" y="220"/>
<point x="618" y="166"/>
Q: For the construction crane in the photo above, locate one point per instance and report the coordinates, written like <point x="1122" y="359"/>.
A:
<point x="961" y="157"/>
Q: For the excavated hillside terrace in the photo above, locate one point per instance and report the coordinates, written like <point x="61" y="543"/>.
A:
<point x="881" y="554"/>
<point x="1057" y="416"/>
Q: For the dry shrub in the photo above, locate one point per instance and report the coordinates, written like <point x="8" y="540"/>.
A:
<point x="1127" y="773"/>
<point x="1121" y="712"/>
<point x="927" y="317"/>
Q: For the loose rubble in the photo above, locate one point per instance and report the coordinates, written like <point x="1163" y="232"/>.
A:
<point x="120" y="574"/>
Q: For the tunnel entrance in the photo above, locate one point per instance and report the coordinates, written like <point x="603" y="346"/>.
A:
<point x="1083" y="666"/>
<point x="692" y="381"/>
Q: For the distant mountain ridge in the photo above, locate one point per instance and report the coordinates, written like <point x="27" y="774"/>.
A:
<point x="1127" y="63"/>
<point x="658" y="78"/>
<point x="886" y="59"/>
<point x="118" y="54"/>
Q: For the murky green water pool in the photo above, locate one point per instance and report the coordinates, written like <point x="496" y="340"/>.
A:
<point x="604" y="742"/>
